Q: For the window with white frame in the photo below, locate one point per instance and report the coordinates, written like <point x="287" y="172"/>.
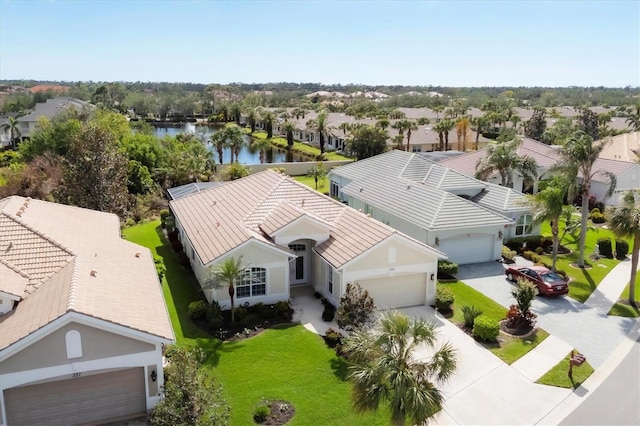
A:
<point x="252" y="283"/>
<point x="524" y="225"/>
<point x="330" y="278"/>
<point x="334" y="189"/>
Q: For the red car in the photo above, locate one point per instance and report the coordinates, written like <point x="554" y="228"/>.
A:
<point x="547" y="282"/>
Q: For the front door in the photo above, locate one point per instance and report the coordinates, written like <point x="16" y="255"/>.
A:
<point x="298" y="268"/>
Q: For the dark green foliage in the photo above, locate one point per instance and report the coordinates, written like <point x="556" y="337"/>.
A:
<point x="536" y="126"/>
<point x="213" y="315"/>
<point x="164" y="214"/>
<point x="333" y="337"/>
<point x="447" y="268"/>
<point x="261" y="413"/>
<point x="470" y="313"/>
<point x="191" y="397"/>
<point x="283" y="309"/>
<point x="444" y="299"/>
<point x="485" y="328"/>
<point x="531" y="243"/>
<point x="604" y="248"/>
<point x="329" y="311"/>
<point x="197" y="309"/>
<point x="539" y="251"/>
<point x="160" y="268"/>
<point x="356" y="308"/>
<point x="265" y="311"/>
<point x="520" y="315"/>
<point x="532" y="256"/>
<point x="598" y="218"/>
<point x="235" y="171"/>
<point x="622" y="249"/>
<point x="366" y="141"/>
<point x="240" y="314"/>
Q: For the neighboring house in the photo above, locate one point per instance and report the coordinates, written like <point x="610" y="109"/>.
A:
<point x="465" y="218"/>
<point x="290" y="235"/>
<point x="625" y="147"/>
<point x="627" y="173"/>
<point x="50" y="109"/>
<point x="82" y="317"/>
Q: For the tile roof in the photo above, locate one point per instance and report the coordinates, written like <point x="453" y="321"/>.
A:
<point x="52" y="107"/>
<point x="190" y="188"/>
<point x="220" y="219"/>
<point x="80" y="264"/>
<point x="501" y="198"/>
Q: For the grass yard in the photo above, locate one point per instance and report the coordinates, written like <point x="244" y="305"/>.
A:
<point x="509" y="349"/>
<point x="583" y="281"/>
<point x="323" y="185"/>
<point x="287" y="363"/>
<point x="557" y="376"/>
<point x="301" y="148"/>
<point x="623" y="309"/>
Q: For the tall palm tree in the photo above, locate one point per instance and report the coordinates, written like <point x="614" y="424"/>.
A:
<point x="410" y="126"/>
<point x="577" y="157"/>
<point x="320" y="125"/>
<point x="438" y="109"/>
<point x="624" y="221"/>
<point x="462" y="127"/>
<point x="439" y="127"/>
<point x="269" y="119"/>
<point x="633" y="120"/>
<point x="344" y="126"/>
<point x="228" y="137"/>
<point x="235" y="111"/>
<point x="504" y="159"/>
<point x="261" y="145"/>
<point x="289" y="127"/>
<point x="548" y="204"/>
<point x="13" y="126"/>
<point x="227" y="273"/>
<point x="399" y="126"/>
<point x="387" y="371"/>
<point x="253" y="117"/>
<point x="447" y="126"/>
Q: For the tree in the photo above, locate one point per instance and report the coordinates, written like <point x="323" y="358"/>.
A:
<point x="227" y="273"/>
<point x="386" y="370"/>
<point x="96" y="172"/>
<point x="577" y="157"/>
<point x="235" y="171"/>
<point x="504" y="159"/>
<point x="548" y="204"/>
<point x="480" y="124"/>
<point x="356" y="308"/>
<point x="261" y="145"/>
<point x="366" y="141"/>
<point x="190" y="398"/>
<point x="589" y="123"/>
<point x="268" y="119"/>
<point x="228" y="137"/>
<point x="320" y="125"/>
<point x="446" y="126"/>
<point x="13" y="126"/>
<point x="289" y="127"/>
<point x="318" y="173"/>
<point x="535" y="127"/>
<point x="462" y="127"/>
<point x="633" y="119"/>
<point x="235" y="111"/>
<point x="252" y="118"/>
<point x="624" y="221"/>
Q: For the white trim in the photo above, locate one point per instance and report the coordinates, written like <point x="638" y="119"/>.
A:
<point x="9" y="296"/>
<point x="246" y="243"/>
<point x="305" y="217"/>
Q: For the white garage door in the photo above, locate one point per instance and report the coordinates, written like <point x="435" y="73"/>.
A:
<point x="398" y="291"/>
<point x="475" y="248"/>
<point x="80" y="400"/>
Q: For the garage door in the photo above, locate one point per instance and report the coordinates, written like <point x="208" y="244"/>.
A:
<point x="398" y="291"/>
<point x="81" y="400"/>
<point x="475" y="248"/>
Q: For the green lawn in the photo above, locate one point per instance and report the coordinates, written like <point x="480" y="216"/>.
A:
<point x="287" y="363"/>
<point x="323" y="185"/>
<point x="301" y="148"/>
<point x="583" y="281"/>
<point x="625" y="310"/>
<point x="558" y="377"/>
<point x="509" y="349"/>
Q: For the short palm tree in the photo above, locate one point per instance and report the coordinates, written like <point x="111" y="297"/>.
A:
<point x="289" y="127"/>
<point x="577" y="157"/>
<point x="387" y="370"/>
<point x="253" y="117"/>
<point x="633" y="120"/>
<point x="503" y="158"/>
<point x="320" y="125"/>
<point x="228" y="273"/>
<point x="262" y="145"/>
<point x="318" y="173"/>
<point x="624" y="221"/>
<point x="13" y="126"/>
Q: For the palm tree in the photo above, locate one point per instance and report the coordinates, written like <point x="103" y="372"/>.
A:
<point x="318" y="173"/>
<point x="462" y="127"/>
<point x="577" y="156"/>
<point x="235" y="111"/>
<point x="633" y="120"/>
<point x="253" y="117"/>
<point x="320" y="125"/>
<point x="548" y="204"/>
<point x="289" y="127"/>
<point x="624" y="221"/>
<point x="13" y="126"/>
<point x="399" y="126"/>
<point x="386" y="369"/>
<point x="261" y="145"/>
<point x="269" y="118"/>
<point x="447" y="126"/>
<point x="227" y="273"/>
<point x="438" y="109"/>
<point x="439" y="127"/>
<point x="229" y="137"/>
<point x="504" y="159"/>
<point x="409" y="126"/>
<point x="344" y="126"/>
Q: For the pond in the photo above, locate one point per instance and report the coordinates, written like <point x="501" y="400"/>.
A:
<point x="247" y="154"/>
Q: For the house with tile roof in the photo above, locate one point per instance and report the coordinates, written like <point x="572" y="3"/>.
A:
<point x="627" y="173"/>
<point x="290" y="235"/>
<point x="463" y="217"/>
<point x="50" y="109"/>
<point x="82" y="317"/>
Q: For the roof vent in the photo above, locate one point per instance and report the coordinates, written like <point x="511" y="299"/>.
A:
<point x="22" y="208"/>
<point x="302" y="203"/>
<point x="360" y="189"/>
<point x="94" y="272"/>
<point x="369" y="215"/>
<point x="19" y="213"/>
<point x="213" y="203"/>
<point x="408" y="186"/>
<point x="138" y="254"/>
<point x="217" y="224"/>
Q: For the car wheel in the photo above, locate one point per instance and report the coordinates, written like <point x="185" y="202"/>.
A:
<point x="510" y="276"/>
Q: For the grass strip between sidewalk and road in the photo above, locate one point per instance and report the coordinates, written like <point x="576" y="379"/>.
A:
<point x="558" y="376"/>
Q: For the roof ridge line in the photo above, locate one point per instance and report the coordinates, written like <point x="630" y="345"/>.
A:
<point x="39" y="233"/>
<point x="73" y="287"/>
<point x="14" y="268"/>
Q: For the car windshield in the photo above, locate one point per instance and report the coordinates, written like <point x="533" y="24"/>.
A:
<point x="551" y="277"/>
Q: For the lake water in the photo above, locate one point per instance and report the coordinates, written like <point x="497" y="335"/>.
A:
<point x="247" y="155"/>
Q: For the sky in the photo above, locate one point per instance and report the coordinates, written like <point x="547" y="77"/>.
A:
<point x="441" y="43"/>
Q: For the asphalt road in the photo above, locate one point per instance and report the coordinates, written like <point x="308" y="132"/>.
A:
<point x="617" y="400"/>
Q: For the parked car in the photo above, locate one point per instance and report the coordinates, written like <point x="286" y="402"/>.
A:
<point x="546" y="281"/>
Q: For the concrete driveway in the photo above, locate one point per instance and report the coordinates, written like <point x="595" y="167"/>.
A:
<point x="585" y="328"/>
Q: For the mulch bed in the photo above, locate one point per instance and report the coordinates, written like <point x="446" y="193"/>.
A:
<point x="233" y="331"/>
<point x="518" y="332"/>
<point x="281" y="412"/>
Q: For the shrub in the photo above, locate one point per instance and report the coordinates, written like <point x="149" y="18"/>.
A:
<point x="261" y="413"/>
<point x="485" y="328"/>
<point x="214" y="315"/>
<point x="446" y="267"/>
<point x="197" y="309"/>
<point x="317" y="295"/>
<point x="604" y="248"/>
<point x="598" y="218"/>
<point x="164" y="214"/>
<point x="444" y="299"/>
<point x="532" y="256"/>
<point x="283" y="309"/>
<point x="177" y="246"/>
<point x="160" y="268"/>
<point x="622" y="249"/>
<point x="172" y="235"/>
<point x="524" y="294"/>
<point x="240" y="313"/>
<point x="265" y="311"/>
<point x="508" y="254"/>
<point x="333" y="337"/>
<point x="595" y="210"/>
<point x="539" y="251"/>
<point x="250" y="319"/>
<point x="328" y="314"/>
<point x="470" y="313"/>
<point x="356" y="308"/>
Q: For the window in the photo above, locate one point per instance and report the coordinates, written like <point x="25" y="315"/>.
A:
<point x="252" y="283"/>
<point x="334" y="189"/>
<point x="297" y="247"/>
<point x="368" y="209"/>
<point x="73" y="341"/>
<point x="524" y="225"/>
<point x="330" y="278"/>
<point x="416" y="148"/>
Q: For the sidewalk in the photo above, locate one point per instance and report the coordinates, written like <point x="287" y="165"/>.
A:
<point x="610" y="288"/>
